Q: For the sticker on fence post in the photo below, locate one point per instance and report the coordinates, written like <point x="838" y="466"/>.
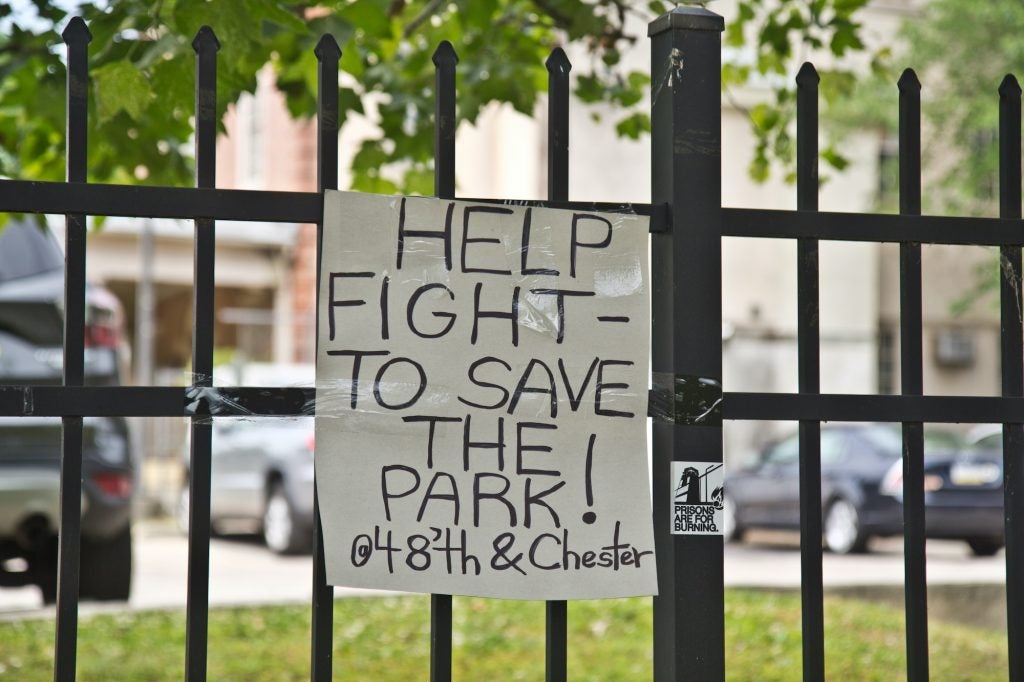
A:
<point x="697" y="498"/>
<point x="481" y="404"/>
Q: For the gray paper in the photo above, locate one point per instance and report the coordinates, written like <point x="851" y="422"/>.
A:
<point x="481" y="403"/>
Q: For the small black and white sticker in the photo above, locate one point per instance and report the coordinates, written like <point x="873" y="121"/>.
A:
<point x="697" y="495"/>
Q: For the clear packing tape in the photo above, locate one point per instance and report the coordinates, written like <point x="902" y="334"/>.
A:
<point x="673" y="399"/>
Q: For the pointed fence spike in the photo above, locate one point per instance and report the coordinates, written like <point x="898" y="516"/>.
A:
<point x="807" y="75"/>
<point x="205" y="39"/>
<point x="1009" y="87"/>
<point x="558" y="61"/>
<point x="908" y="80"/>
<point x="327" y="48"/>
<point x="445" y="54"/>
<point x="76" y="32"/>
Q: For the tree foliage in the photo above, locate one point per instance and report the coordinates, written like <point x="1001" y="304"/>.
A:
<point x="770" y="38"/>
<point x="142" y="70"/>
<point x="968" y="48"/>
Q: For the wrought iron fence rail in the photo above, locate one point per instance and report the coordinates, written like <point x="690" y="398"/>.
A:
<point x="871" y="227"/>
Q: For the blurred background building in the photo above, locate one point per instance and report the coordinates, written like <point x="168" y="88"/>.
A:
<point x="266" y="272"/>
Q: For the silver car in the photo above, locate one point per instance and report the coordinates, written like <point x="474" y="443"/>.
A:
<point x="262" y="472"/>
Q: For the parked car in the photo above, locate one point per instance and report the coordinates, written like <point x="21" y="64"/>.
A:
<point x="261" y="476"/>
<point x="862" y="489"/>
<point x="963" y="493"/>
<point x="31" y="332"/>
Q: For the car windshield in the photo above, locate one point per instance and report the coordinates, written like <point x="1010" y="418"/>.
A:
<point x="885" y="438"/>
<point x="26" y="250"/>
<point x="888" y="438"/>
<point x="941" y="440"/>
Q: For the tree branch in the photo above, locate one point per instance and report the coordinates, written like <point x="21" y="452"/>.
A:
<point x="428" y="11"/>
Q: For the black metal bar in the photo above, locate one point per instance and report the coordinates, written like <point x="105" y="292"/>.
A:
<point x="77" y="37"/>
<point x="155" y="401"/>
<point x="686" y="327"/>
<point x="444" y="60"/>
<point x="206" y="46"/>
<point x="327" y="115"/>
<point x="912" y="383"/>
<point x="809" y="379"/>
<point x="1012" y="341"/>
<point x="860" y="227"/>
<point x="29" y="196"/>
<point x="871" y="408"/>
<point x="255" y="401"/>
<point x="24" y="196"/>
<point x="21" y="196"/>
<point x="558" y="66"/>
<point x="88" y="401"/>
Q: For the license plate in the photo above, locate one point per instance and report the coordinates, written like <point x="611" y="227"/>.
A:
<point x="974" y="473"/>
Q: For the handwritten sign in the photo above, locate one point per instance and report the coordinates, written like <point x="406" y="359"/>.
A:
<point x="482" y="399"/>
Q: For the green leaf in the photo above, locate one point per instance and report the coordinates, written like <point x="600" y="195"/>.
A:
<point x="845" y="39"/>
<point x="350" y="101"/>
<point x="370" y="16"/>
<point x="351" y="61"/>
<point x="634" y="126"/>
<point x="833" y="158"/>
<point x="120" y="86"/>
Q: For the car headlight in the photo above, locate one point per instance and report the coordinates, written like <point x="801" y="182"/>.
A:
<point x="892" y="482"/>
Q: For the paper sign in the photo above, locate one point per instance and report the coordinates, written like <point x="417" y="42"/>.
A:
<point x="697" y="498"/>
<point x="482" y="377"/>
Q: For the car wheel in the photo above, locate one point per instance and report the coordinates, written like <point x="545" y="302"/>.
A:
<point x="281" y="531"/>
<point x="843" y="532"/>
<point x="43" y="566"/>
<point x="731" y="530"/>
<point x="106" y="567"/>
<point x="984" y="546"/>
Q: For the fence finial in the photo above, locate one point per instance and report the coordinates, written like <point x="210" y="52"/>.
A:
<point x="205" y="39"/>
<point x="908" y="80"/>
<point x="558" y="61"/>
<point x="807" y="75"/>
<point x="327" y="48"/>
<point x="76" y="32"/>
<point x="1009" y="87"/>
<point x="445" y="54"/>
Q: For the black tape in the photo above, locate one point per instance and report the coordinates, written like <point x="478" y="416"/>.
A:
<point x="685" y="400"/>
<point x="224" y="401"/>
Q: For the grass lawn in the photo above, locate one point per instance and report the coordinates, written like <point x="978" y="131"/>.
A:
<point x="388" y="639"/>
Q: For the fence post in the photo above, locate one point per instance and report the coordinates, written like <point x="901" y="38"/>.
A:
<point x="686" y="335"/>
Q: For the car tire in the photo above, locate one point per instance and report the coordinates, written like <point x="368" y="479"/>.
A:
<point x="984" y="546"/>
<point x="106" y="567"/>
<point x="731" y="530"/>
<point x="842" y="528"/>
<point x="282" y="532"/>
<point x="43" y="566"/>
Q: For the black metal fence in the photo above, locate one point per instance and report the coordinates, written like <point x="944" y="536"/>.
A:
<point x="688" y="223"/>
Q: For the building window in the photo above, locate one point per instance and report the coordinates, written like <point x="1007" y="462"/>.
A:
<point x="888" y="174"/>
<point x="249" y="151"/>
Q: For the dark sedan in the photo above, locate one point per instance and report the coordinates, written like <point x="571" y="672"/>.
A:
<point x="862" y="488"/>
<point x="964" y="494"/>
